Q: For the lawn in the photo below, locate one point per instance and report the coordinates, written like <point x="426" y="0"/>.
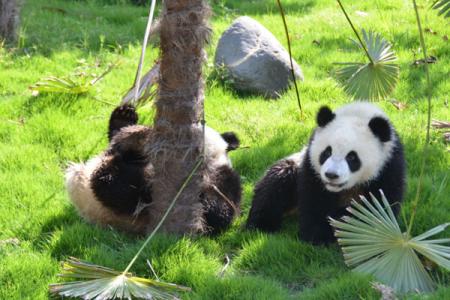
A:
<point x="40" y="135"/>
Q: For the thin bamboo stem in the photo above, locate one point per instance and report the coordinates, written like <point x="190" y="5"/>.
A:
<point x="356" y="32"/>
<point x="427" y="138"/>
<point x="137" y="80"/>
<point x="290" y="54"/>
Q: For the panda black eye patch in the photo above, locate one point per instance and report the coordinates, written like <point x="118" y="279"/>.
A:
<point x="353" y="161"/>
<point x="324" y="155"/>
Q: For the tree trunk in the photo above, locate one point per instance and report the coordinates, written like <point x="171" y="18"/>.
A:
<point x="9" y="20"/>
<point x="178" y="139"/>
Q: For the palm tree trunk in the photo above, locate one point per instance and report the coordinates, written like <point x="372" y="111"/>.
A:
<point x="178" y="139"/>
<point x="9" y="20"/>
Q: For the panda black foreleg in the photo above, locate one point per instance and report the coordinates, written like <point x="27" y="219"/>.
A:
<point x="274" y="195"/>
<point x="122" y="116"/>
<point x="225" y="204"/>
<point x="313" y="224"/>
<point x="315" y="206"/>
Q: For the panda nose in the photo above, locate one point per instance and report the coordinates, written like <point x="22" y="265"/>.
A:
<point x="331" y="175"/>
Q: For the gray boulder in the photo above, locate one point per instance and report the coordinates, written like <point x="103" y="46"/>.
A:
<point x="255" y="59"/>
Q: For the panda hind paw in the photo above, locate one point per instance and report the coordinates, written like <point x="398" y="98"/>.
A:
<point x="122" y="116"/>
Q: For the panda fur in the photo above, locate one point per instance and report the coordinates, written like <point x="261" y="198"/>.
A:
<point x="114" y="188"/>
<point x="353" y="151"/>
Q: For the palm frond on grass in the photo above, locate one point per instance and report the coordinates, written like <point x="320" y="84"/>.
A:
<point x="373" y="243"/>
<point x="371" y="80"/>
<point x="97" y="282"/>
<point x="443" y="7"/>
<point x="78" y="83"/>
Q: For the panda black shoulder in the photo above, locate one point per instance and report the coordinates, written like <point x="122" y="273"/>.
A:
<point x="392" y="178"/>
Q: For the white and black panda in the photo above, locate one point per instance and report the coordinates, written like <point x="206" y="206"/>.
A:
<point x="114" y="188"/>
<point x="353" y="151"/>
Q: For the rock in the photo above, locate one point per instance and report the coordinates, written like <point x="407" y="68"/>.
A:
<point x="255" y="59"/>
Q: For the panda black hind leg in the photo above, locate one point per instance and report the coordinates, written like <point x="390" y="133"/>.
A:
<point x="274" y="195"/>
<point x="222" y="199"/>
<point x="122" y="186"/>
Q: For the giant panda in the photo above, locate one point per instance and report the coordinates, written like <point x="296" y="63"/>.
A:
<point x="114" y="188"/>
<point x="353" y="151"/>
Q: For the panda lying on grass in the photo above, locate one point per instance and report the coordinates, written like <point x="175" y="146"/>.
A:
<point x="115" y="188"/>
<point x="353" y="151"/>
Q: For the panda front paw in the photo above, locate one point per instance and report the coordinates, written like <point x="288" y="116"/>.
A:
<point x="317" y="237"/>
<point x="122" y="116"/>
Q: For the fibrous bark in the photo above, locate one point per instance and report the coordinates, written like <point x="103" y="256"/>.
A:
<point x="9" y="19"/>
<point x="177" y="140"/>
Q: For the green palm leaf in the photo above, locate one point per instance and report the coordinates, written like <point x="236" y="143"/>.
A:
<point x="373" y="80"/>
<point x="372" y="242"/>
<point x="78" y="83"/>
<point x="101" y="283"/>
<point x="53" y="84"/>
<point x="443" y="6"/>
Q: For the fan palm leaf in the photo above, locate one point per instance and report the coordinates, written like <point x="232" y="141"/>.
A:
<point x="373" y="80"/>
<point x="53" y="84"/>
<point x="72" y="84"/>
<point x="101" y="283"/>
<point x="372" y="242"/>
<point x="443" y="7"/>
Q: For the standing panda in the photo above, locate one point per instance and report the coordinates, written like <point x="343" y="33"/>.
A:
<point x="115" y="188"/>
<point x="353" y="151"/>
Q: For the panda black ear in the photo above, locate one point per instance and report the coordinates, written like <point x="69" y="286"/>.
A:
<point x="324" y="116"/>
<point x="380" y="128"/>
<point x="231" y="139"/>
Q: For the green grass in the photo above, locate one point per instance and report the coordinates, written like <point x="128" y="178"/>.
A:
<point x="40" y="135"/>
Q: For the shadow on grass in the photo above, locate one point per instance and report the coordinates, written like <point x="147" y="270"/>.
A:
<point x="333" y="44"/>
<point x="89" y="26"/>
<point x="416" y="81"/>
<point x="34" y="105"/>
<point x="258" y="7"/>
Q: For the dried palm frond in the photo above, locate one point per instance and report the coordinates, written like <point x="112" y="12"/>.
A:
<point x="438" y="124"/>
<point x="147" y="90"/>
<point x="373" y="243"/>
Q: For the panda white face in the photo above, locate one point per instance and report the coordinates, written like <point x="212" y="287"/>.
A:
<point x="336" y="169"/>
<point x="351" y="146"/>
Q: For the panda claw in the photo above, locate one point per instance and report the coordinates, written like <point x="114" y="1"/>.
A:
<point x="122" y="116"/>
